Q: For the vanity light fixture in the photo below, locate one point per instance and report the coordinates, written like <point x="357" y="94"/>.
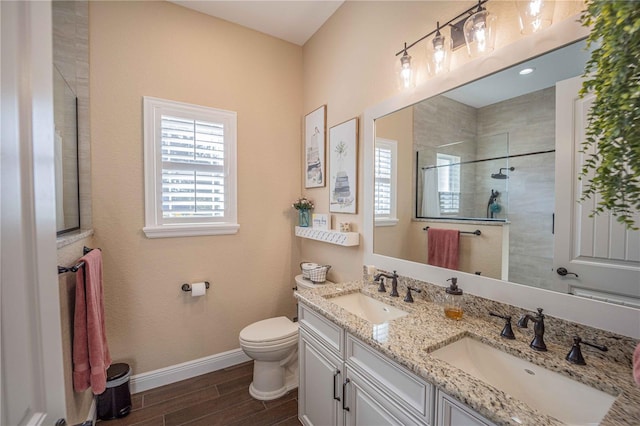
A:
<point x="480" y="31"/>
<point x="438" y="53"/>
<point x="482" y="36"/>
<point x="406" y="75"/>
<point x="534" y="15"/>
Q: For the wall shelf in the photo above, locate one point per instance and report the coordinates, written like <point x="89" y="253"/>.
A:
<point x="331" y="237"/>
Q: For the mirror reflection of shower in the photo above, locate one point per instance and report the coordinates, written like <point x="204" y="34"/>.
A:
<point x="493" y="207"/>
<point x="501" y="175"/>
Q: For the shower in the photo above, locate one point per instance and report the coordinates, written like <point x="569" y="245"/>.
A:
<point x="501" y="175"/>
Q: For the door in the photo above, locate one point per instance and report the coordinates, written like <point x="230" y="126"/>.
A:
<point x="453" y="413"/>
<point x="601" y="257"/>
<point x="364" y="405"/>
<point x="320" y="391"/>
<point x="32" y="379"/>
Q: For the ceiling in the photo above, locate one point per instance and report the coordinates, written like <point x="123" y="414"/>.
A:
<point x="292" y="20"/>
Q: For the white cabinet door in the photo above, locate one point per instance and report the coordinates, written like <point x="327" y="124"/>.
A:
<point x="366" y="406"/>
<point x="604" y="255"/>
<point x="320" y="389"/>
<point x="453" y="413"/>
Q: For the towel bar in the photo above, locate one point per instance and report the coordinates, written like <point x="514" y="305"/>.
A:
<point x="74" y="268"/>
<point x="476" y="232"/>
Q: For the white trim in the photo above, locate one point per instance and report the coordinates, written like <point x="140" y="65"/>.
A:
<point x="186" y="370"/>
<point x="387" y="221"/>
<point x="618" y="319"/>
<point x="155" y="225"/>
<point x="176" y="230"/>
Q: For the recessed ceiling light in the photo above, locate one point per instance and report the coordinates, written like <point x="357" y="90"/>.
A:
<point x="526" y="71"/>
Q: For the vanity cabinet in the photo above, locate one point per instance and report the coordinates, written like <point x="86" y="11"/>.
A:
<point x="321" y="367"/>
<point x="451" y="412"/>
<point x="366" y="405"/>
<point x="321" y="378"/>
<point x="343" y="381"/>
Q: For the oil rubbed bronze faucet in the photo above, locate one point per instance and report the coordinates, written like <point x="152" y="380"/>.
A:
<point x="538" y="329"/>
<point x="394" y="282"/>
<point x="575" y="355"/>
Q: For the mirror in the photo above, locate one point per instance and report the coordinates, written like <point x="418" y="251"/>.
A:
<point x="481" y="159"/>
<point x="66" y="155"/>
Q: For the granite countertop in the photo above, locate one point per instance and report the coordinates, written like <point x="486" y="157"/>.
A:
<point x="410" y="340"/>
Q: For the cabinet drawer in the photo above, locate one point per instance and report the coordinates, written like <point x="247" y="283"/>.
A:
<point x="322" y="329"/>
<point x="404" y="387"/>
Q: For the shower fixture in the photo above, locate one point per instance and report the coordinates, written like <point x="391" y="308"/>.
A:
<point x="492" y="206"/>
<point x="501" y="175"/>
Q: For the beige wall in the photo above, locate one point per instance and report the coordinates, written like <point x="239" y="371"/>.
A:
<point x="349" y="66"/>
<point x="395" y="240"/>
<point x="163" y="50"/>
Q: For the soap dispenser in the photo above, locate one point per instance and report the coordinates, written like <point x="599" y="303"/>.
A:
<point x="453" y="303"/>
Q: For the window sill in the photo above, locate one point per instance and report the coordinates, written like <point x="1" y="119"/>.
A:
<point x="387" y="222"/>
<point x="170" y="231"/>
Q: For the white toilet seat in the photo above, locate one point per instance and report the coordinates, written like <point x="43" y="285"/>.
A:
<point x="272" y="331"/>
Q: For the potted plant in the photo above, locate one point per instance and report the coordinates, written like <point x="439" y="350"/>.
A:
<point x="613" y="76"/>
<point x="304" y="207"/>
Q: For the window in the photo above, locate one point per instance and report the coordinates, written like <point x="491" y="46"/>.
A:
<point x="190" y="170"/>
<point x="385" y="171"/>
<point x="448" y="183"/>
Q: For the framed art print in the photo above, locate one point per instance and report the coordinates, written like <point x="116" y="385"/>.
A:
<point x="343" y="162"/>
<point x="314" y="147"/>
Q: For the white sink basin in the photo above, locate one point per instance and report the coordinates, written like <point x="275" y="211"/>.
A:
<point x="368" y="308"/>
<point x="548" y="392"/>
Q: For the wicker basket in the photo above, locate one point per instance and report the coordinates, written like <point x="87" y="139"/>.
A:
<point x="313" y="272"/>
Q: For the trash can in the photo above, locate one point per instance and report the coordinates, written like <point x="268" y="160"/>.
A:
<point x="115" y="401"/>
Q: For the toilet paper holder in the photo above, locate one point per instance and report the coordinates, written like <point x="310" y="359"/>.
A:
<point x="187" y="287"/>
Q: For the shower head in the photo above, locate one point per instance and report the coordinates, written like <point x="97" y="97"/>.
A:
<point x="501" y="175"/>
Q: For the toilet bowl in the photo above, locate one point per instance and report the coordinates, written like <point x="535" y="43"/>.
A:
<point x="273" y="345"/>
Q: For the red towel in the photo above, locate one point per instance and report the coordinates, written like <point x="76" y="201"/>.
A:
<point x="90" y="351"/>
<point x="636" y="365"/>
<point x="444" y="247"/>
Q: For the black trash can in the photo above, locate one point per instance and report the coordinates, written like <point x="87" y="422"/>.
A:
<point x="115" y="401"/>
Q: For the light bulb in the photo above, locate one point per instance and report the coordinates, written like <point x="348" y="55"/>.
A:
<point x="438" y="53"/>
<point x="534" y="15"/>
<point x="479" y="32"/>
<point x="406" y="73"/>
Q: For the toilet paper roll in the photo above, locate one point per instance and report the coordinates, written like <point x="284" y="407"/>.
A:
<point x="198" y="289"/>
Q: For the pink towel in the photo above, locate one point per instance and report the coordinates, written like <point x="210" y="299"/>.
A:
<point x="636" y="365"/>
<point x="90" y="351"/>
<point x="444" y="247"/>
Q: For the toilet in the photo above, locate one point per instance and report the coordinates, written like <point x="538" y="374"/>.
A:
<point x="273" y="345"/>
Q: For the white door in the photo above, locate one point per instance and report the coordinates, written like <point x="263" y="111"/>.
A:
<point x="601" y="257"/>
<point x="32" y="391"/>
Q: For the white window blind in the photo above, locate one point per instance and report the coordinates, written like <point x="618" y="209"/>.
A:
<point x="192" y="168"/>
<point x="448" y="182"/>
<point x="190" y="176"/>
<point x="385" y="158"/>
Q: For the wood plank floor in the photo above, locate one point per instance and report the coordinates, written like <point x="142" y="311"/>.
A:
<point x="218" y="398"/>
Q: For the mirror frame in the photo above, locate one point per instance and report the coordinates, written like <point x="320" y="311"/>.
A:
<point x="615" y="318"/>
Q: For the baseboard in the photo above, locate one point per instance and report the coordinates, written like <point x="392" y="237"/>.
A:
<point x="186" y="370"/>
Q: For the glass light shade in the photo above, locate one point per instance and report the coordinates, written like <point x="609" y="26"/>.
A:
<point x="534" y="15"/>
<point x="438" y="54"/>
<point x="480" y="32"/>
<point x="406" y="74"/>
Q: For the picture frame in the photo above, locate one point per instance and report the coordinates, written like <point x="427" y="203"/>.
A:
<point x="343" y="167"/>
<point x="320" y="221"/>
<point x="314" y="169"/>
